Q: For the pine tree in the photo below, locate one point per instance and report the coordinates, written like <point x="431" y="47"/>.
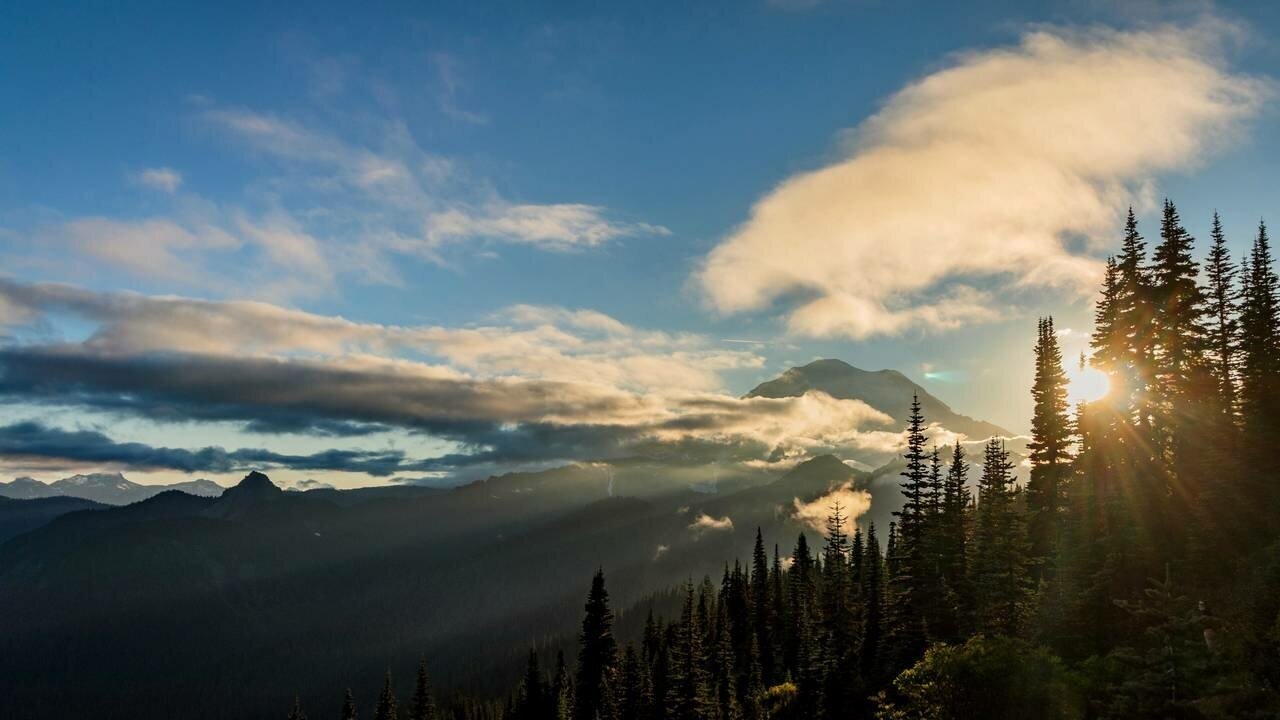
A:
<point x="1260" y="377"/>
<point x="872" y="591"/>
<point x="424" y="703"/>
<point x="1221" y="339"/>
<point x="760" y="610"/>
<point x="597" y="654"/>
<point x="911" y="596"/>
<point x="952" y="533"/>
<point x="562" y="689"/>
<point x="1134" y="313"/>
<point x="348" y="706"/>
<point x="386" y="707"/>
<point x="688" y="697"/>
<point x="636" y="694"/>
<point x="999" y="572"/>
<point x="532" y="702"/>
<point x="1049" y="446"/>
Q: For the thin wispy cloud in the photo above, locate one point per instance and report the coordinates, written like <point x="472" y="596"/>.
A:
<point x="163" y="179"/>
<point x="980" y="180"/>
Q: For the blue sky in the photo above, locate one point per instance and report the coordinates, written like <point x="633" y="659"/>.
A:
<point x="497" y="169"/>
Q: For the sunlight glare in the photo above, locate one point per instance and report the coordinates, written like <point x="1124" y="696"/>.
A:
<point x="1087" y="385"/>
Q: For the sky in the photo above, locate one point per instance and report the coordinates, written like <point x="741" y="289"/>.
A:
<point x="419" y="242"/>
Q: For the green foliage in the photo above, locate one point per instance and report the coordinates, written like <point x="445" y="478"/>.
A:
<point x="993" y="678"/>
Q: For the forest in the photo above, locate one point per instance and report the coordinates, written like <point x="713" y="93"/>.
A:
<point x="1136" y="574"/>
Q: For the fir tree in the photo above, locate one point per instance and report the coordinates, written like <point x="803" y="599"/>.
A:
<point x="999" y="571"/>
<point x="760" y="612"/>
<point x="1222" y="327"/>
<point x="597" y="653"/>
<point x="909" y="603"/>
<point x="424" y="703"/>
<point x="386" y="707"/>
<point x="1049" y="446"/>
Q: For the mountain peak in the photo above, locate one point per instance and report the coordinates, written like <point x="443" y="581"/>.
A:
<point x="888" y="391"/>
<point x="255" y="483"/>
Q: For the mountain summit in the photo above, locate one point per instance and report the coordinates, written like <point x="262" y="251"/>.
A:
<point x="888" y="391"/>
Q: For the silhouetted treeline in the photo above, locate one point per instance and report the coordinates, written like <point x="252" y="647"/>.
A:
<point x="1136" y="575"/>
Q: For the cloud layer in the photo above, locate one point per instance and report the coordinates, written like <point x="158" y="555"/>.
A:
<point x="541" y="384"/>
<point x="1006" y="170"/>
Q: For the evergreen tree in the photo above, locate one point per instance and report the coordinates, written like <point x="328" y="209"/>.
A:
<point x="386" y="707"/>
<point x="909" y="601"/>
<point x="1222" y="327"/>
<point x="689" y="695"/>
<point x="562" y="689"/>
<point x="999" y="572"/>
<point x="597" y="654"/>
<point x="1133" y="315"/>
<point x="760" y="609"/>
<point x="636" y="693"/>
<point x="424" y="702"/>
<point x="532" y="702"/>
<point x="872" y="591"/>
<point x="1049" y="446"/>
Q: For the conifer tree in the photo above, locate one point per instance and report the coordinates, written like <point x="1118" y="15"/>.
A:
<point x="688" y="696"/>
<point x="597" y="653"/>
<point x="1049" y="446"/>
<point x="1133" y="313"/>
<point x="760" y="609"/>
<point x="872" y="591"/>
<point x="999" y="572"/>
<point x="386" y="707"/>
<point x="531" y="702"/>
<point x="424" y="703"/>
<point x="636" y="694"/>
<point x="909" y="602"/>
<point x="1260" y="372"/>
<point x="1222" y="326"/>
<point x="562" y="689"/>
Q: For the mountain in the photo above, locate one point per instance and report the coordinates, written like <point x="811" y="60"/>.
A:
<point x="277" y="592"/>
<point x="888" y="391"/>
<point x="20" y="516"/>
<point x="105" y="488"/>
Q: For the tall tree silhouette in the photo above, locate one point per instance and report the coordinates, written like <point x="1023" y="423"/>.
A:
<point x="597" y="654"/>
<point x="1049" y="446"/>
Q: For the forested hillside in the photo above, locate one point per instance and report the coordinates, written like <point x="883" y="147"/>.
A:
<point x="1135" y="575"/>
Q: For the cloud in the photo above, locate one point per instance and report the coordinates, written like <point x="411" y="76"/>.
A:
<point x="705" y="524"/>
<point x="550" y="227"/>
<point x="412" y="201"/>
<point x="854" y="503"/>
<point x="541" y="384"/>
<point x="35" y="440"/>
<point x="659" y="551"/>
<point x="1008" y="171"/>
<point x="163" y="179"/>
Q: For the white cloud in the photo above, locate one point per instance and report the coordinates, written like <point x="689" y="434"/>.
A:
<point x="706" y="523"/>
<point x="987" y="172"/>
<point x="853" y="505"/>
<point x="550" y="227"/>
<point x="162" y="178"/>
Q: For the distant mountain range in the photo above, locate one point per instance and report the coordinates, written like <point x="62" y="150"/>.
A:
<point x="888" y="391"/>
<point x="226" y="603"/>
<point x="106" y="488"/>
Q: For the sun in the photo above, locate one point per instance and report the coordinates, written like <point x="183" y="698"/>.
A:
<point x="1086" y="384"/>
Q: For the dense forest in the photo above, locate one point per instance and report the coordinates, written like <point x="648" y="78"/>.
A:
<point x="1136" y="574"/>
